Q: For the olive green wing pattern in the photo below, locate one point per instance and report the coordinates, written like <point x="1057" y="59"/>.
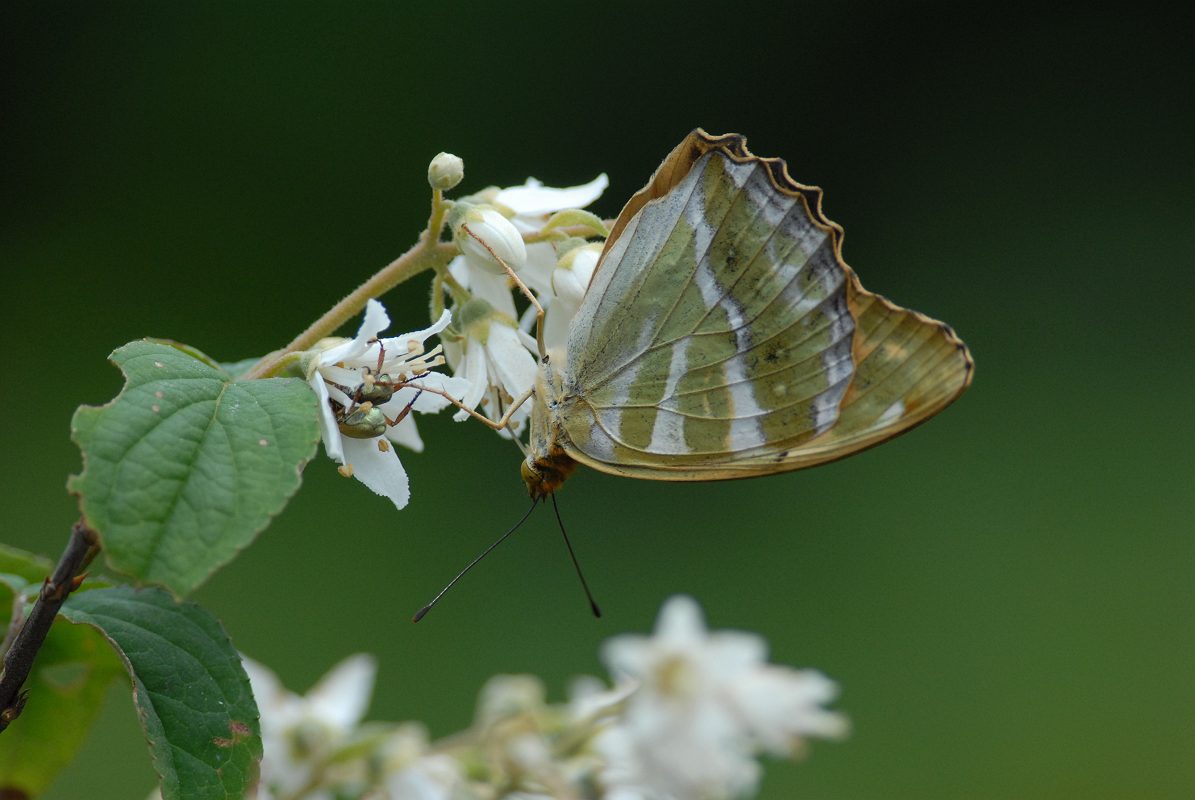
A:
<point x="723" y="336"/>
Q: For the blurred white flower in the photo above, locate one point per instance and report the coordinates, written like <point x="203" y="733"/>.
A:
<point x="299" y="733"/>
<point x="688" y="718"/>
<point x="358" y="434"/>
<point x="507" y="696"/>
<point x="412" y="772"/>
<point x="432" y="777"/>
<point x="705" y="705"/>
<point x="512" y="713"/>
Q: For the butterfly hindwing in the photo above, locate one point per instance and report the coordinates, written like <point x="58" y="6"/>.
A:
<point x="722" y="335"/>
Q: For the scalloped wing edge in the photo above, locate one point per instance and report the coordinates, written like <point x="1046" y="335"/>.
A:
<point x="672" y="171"/>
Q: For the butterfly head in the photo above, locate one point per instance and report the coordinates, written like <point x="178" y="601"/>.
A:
<point x="544" y="475"/>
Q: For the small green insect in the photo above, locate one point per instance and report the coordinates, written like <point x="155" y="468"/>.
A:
<point x="363" y="419"/>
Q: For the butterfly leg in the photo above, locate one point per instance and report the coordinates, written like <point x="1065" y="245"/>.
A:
<point x="496" y="425"/>
<point x="539" y="310"/>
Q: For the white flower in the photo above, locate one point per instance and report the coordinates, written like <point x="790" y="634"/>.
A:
<point x="492" y="359"/>
<point x="299" y="733"/>
<point x="484" y="236"/>
<point x="495" y="355"/>
<point x="339" y="369"/>
<point x="505" y="696"/>
<point x="414" y="773"/>
<point x="530" y="206"/>
<point x="705" y="705"/>
<point x="532" y="202"/>
<point x="432" y="777"/>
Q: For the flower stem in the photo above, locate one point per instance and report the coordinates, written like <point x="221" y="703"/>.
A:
<point x="459" y="293"/>
<point x="438" y="294"/>
<point x="427" y="253"/>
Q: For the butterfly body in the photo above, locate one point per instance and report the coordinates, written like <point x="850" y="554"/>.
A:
<point x="548" y="463"/>
<point x="723" y="336"/>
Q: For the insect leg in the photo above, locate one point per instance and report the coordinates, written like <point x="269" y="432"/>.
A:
<point x="381" y="355"/>
<point x="406" y="410"/>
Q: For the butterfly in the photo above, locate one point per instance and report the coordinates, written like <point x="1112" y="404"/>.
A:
<point x="723" y="336"/>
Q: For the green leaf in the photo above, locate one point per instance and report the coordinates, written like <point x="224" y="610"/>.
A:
<point x="70" y="678"/>
<point x="186" y="465"/>
<point x="238" y="368"/>
<point x="32" y="568"/>
<point x="190" y="689"/>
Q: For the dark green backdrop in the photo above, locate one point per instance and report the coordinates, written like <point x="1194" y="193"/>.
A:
<point x="1005" y="596"/>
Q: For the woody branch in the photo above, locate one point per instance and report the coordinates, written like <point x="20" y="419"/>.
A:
<point x="25" y="637"/>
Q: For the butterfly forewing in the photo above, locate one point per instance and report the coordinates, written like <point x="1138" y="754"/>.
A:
<point x="723" y="336"/>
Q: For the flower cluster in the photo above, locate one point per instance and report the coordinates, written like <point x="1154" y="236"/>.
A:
<point x="687" y="716"/>
<point x="368" y="386"/>
<point x="493" y="347"/>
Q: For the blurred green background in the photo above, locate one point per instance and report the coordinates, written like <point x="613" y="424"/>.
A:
<point x="1006" y="596"/>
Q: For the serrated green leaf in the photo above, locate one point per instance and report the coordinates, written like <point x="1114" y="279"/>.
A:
<point x="190" y="689"/>
<point x="186" y="465"/>
<point x="70" y="678"/>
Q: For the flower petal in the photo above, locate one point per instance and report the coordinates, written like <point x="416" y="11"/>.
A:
<point x="494" y="289"/>
<point x="342" y="696"/>
<point x="350" y="378"/>
<point x="427" y="402"/>
<point x="485" y="237"/>
<point x="680" y="620"/>
<point x="514" y="368"/>
<point x="473" y="369"/>
<point x="267" y="689"/>
<point x="398" y="343"/>
<point x="375" y="321"/>
<point x="406" y="433"/>
<point x="329" y="430"/>
<point x="541" y="261"/>
<point x="380" y="470"/>
<point x="535" y="199"/>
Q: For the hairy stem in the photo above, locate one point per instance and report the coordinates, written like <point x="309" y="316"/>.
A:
<point x="18" y="660"/>
<point x="428" y="253"/>
<point x="425" y="255"/>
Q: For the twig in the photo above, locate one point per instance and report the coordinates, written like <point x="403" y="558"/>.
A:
<point x="18" y="661"/>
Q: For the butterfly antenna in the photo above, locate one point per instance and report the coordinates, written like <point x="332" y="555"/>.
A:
<point x="421" y="613"/>
<point x="593" y="606"/>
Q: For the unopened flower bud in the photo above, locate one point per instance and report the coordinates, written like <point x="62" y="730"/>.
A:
<point x="484" y="236"/>
<point x="573" y="272"/>
<point x="445" y="171"/>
